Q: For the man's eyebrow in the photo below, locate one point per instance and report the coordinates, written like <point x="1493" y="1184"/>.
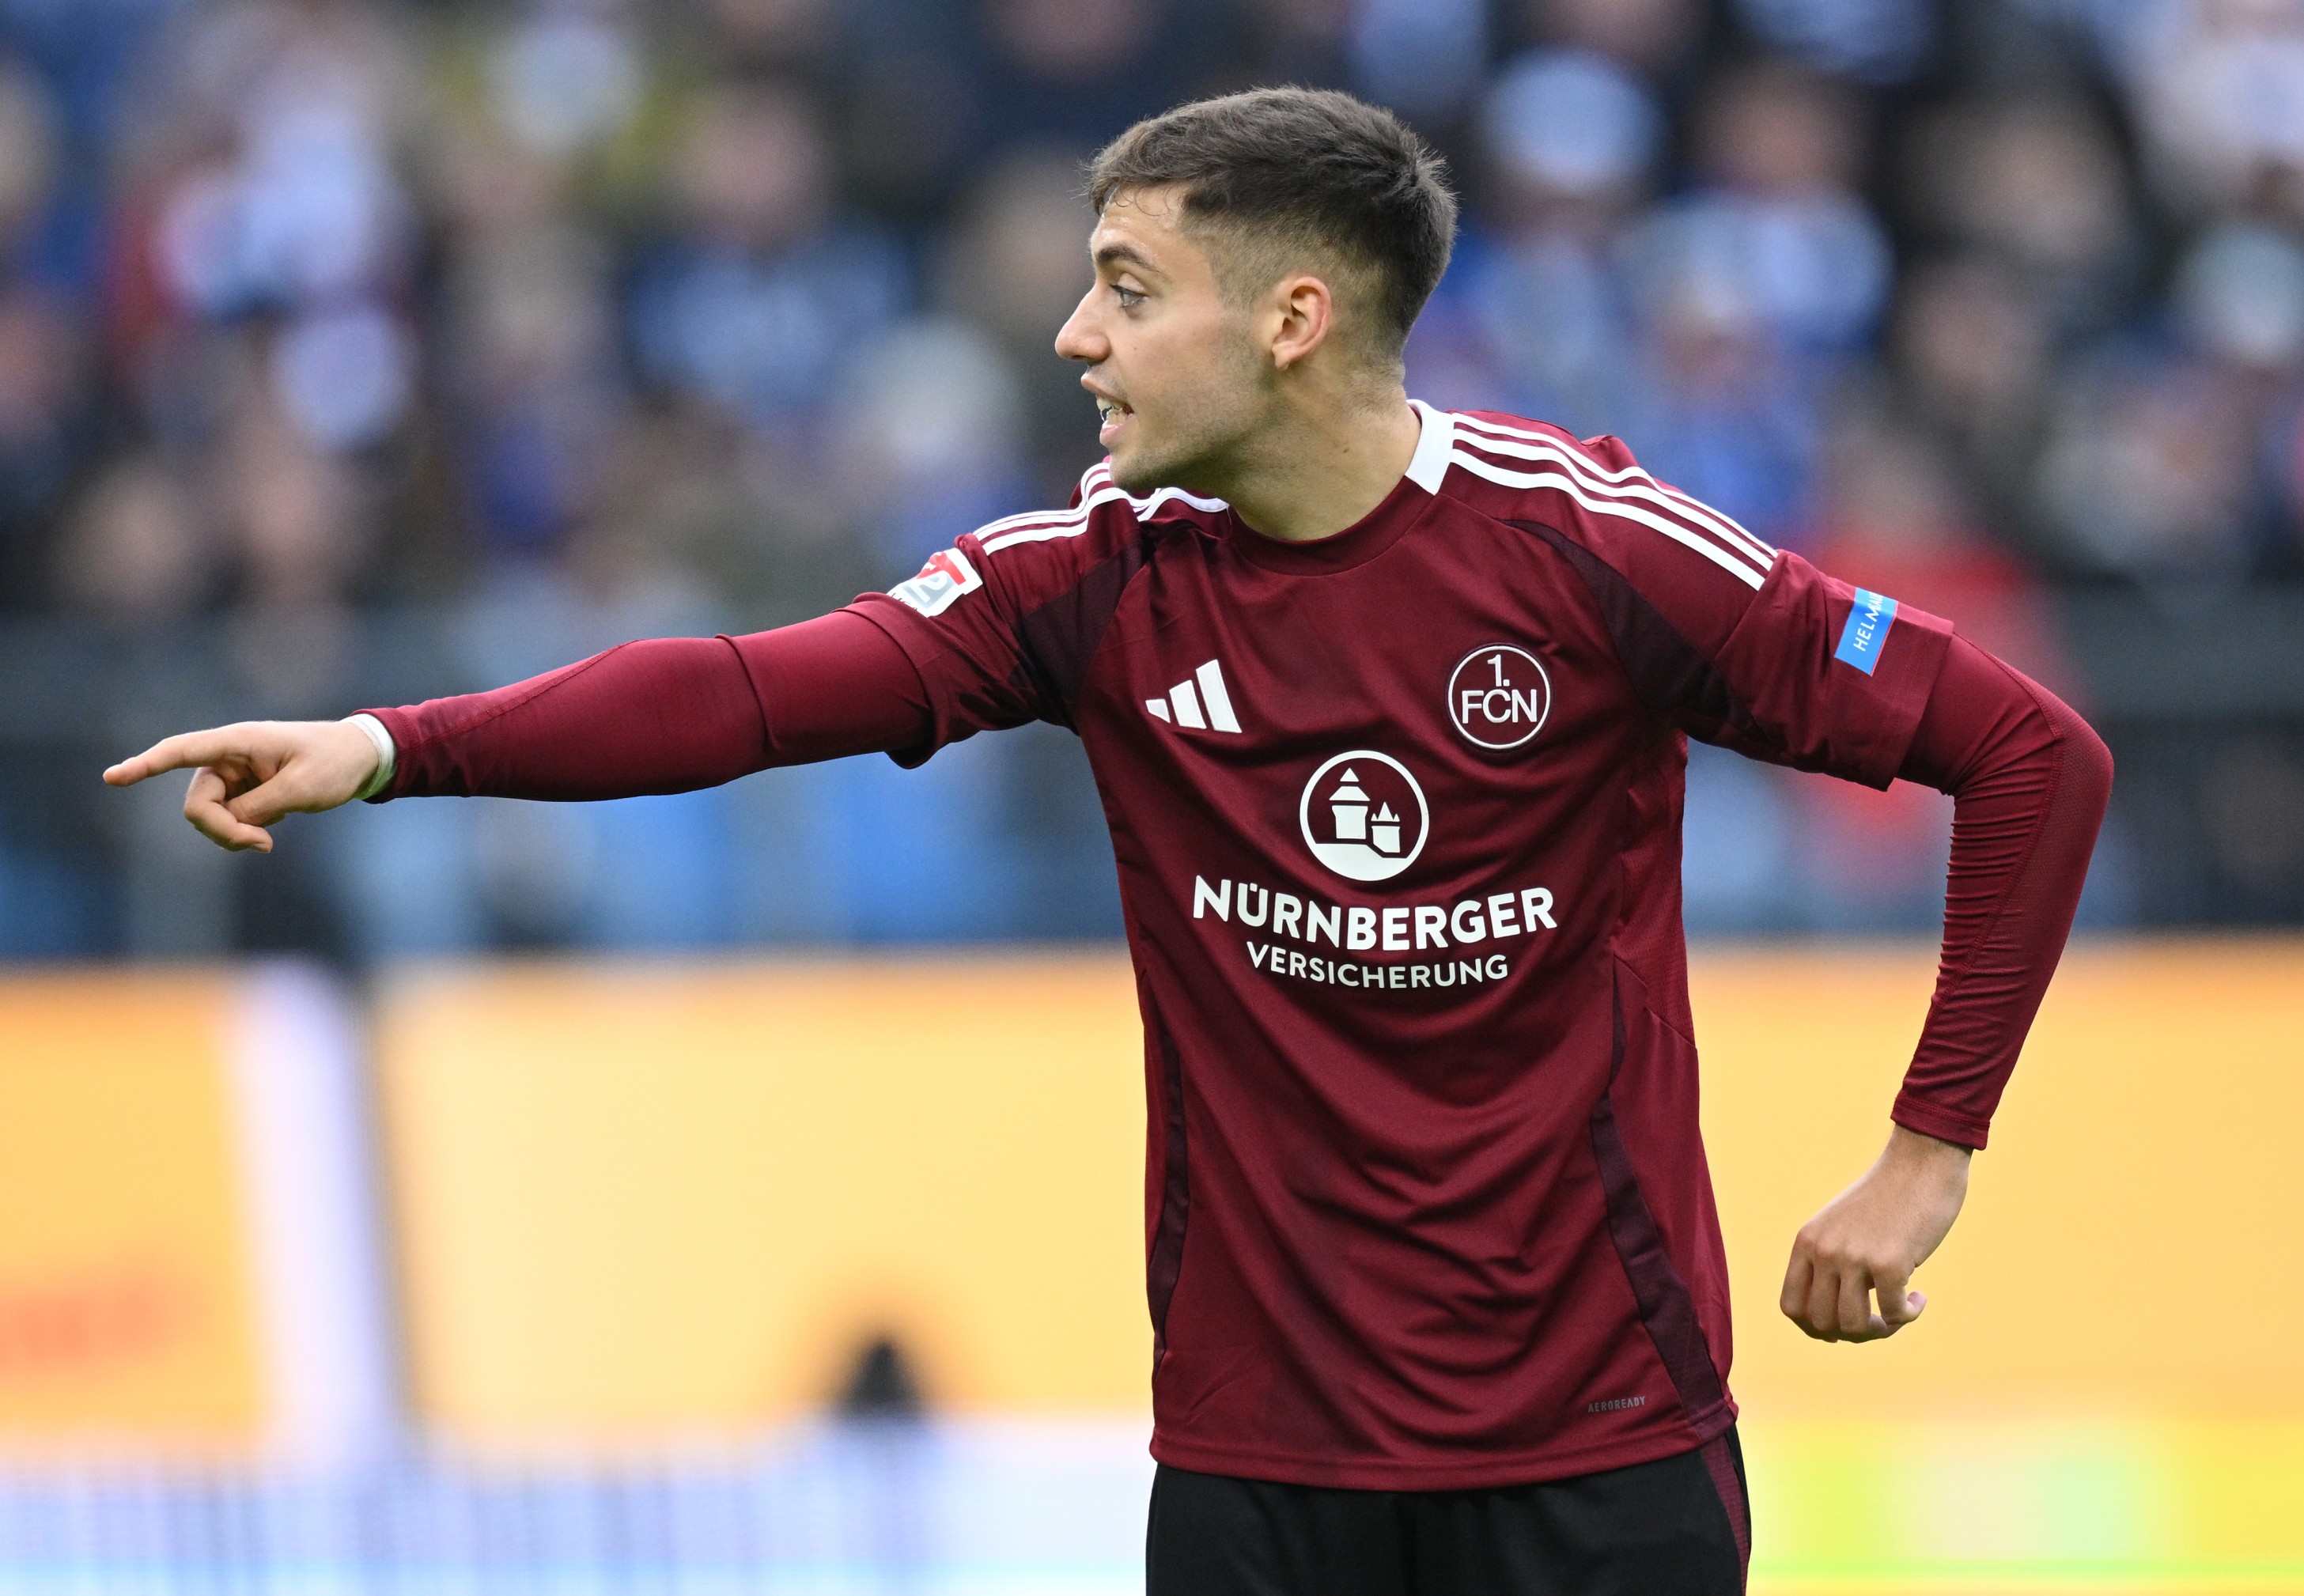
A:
<point x="1113" y="255"/>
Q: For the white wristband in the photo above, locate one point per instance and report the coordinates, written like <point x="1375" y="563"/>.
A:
<point x="386" y="756"/>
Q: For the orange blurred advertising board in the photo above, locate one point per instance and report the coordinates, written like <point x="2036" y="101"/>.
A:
<point x="640" y="1201"/>
<point x="126" y="1296"/>
<point x="637" y="1203"/>
<point x="189" y="1259"/>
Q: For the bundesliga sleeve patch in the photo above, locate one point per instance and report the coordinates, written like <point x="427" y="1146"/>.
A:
<point x="943" y="578"/>
<point x="1866" y="629"/>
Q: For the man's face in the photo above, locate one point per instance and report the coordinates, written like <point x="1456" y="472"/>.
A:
<point x="1170" y="363"/>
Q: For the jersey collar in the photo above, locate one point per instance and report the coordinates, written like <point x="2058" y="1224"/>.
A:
<point x="1414" y="493"/>
<point x="1429" y="463"/>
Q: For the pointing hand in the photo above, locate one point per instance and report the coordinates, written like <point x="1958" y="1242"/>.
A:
<point x="248" y="774"/>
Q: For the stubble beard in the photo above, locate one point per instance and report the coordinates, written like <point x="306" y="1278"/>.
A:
<point x="1196" y="455"/>
<point x="1148" y="469"/>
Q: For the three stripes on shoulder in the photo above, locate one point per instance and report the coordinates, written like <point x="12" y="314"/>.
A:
<point x="1512" y="457"/>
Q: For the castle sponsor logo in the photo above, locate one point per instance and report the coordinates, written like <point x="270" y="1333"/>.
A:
<point x="1499" y="697"/>
<point x="1419" y="929"/>
<point x="1364" y="816"/>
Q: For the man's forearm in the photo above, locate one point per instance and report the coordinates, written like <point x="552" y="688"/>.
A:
<point x="2029" y="781"/>
<point x="666" y="715"/>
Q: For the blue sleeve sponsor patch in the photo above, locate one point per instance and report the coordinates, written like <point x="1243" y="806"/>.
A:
<point x="1866" y="629"/>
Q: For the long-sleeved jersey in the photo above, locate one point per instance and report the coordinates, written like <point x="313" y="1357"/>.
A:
<point x="1397" y="816"/>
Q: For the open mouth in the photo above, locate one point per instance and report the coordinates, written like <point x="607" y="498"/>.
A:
<point x="1113" y="413"/>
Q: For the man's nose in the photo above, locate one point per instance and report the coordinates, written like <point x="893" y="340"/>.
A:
<point x="1078" y="339"/>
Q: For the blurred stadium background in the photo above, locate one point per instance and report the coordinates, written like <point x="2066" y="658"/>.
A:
<point x="356" y="352"/>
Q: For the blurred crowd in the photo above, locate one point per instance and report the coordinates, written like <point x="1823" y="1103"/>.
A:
<point x="313" y="301"/>
<point x="584" y="319"/>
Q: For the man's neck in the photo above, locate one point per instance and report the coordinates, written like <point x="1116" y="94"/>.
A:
<point x="1326" y="471"/>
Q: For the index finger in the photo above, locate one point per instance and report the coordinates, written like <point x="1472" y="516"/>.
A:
<point x="181" y="752"/>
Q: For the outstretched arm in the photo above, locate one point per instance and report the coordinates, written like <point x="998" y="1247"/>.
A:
<point x="667" y="715"/>
<point x="2029" y="781"/>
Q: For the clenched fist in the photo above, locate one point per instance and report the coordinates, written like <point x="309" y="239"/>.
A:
<point x="1871" y="1238"/>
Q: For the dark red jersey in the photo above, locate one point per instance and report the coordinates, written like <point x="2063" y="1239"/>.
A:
<point x="1398" y="821"/>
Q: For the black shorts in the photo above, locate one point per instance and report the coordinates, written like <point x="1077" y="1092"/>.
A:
<point x="1677" y="1526"/>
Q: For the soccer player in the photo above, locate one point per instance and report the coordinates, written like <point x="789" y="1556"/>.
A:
<point x="1388" y="708"/>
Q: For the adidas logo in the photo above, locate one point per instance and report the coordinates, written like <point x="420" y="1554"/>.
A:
<point x="1206" y="707"/>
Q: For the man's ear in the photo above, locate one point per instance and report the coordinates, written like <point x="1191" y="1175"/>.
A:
<point x="1303" y="314"/>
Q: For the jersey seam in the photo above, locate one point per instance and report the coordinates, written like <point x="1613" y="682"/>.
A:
<point x="1149" y="538"/>
<point x="1955" y="977"/>
<point x="1330" y="1463"/>
<point x="1647" y="986"/>
<point x="937" y="720"/>
<point x="1241" y="546"/>
<point x="753" y="686"/>
<point x="553" y="680"/>
<point x="1597" y="615"/>
<point x="1599" y="618"/>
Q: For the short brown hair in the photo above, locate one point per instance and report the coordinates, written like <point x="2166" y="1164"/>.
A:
<point x="1304" y="167"/>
